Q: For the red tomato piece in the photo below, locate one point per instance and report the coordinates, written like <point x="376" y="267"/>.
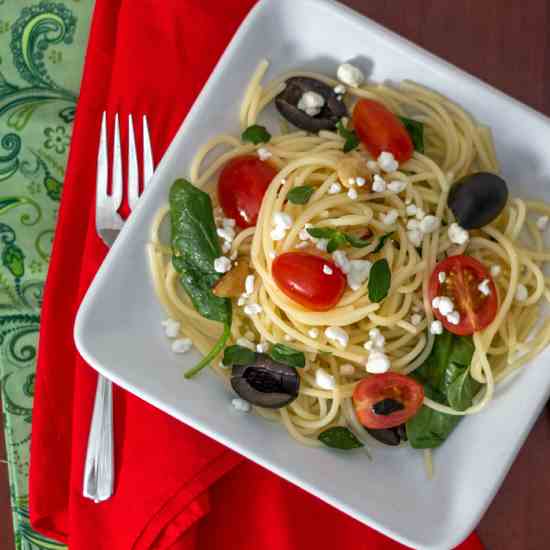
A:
<point x="380" y="130"/>
<point x="242" y="185"/>
<point x="301" y="277"/>
<point x="390" y="385"/>
<point x="463" y="275"/>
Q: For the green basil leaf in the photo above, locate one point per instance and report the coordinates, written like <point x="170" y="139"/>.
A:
<point x="352" y="141"/>
<point x="356" y="242"/>
<point x="238" y="355"/>
<point x="461" y="391"/>
<point x="415" y="130"/>
<point x="336" y="241"/>
<point x="321" y="232"/>
<point x="428" y="428"/>
<point x="288" y="356"/>
<point x="382" y="242"/>
<point x="379" y="280"/>
<point x="336" y="238"/>
<point x="256" y="134"/>
<point x="340" y="437"/>
<point x="300" y="195"/>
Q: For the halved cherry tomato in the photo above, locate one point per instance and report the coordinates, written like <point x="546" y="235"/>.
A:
<point x="301" y="277"/>
<point x="390" y="385"/>
<point x="241" y="188"/>
<point x="380" y="130"/>
<point x="463" y="275"/>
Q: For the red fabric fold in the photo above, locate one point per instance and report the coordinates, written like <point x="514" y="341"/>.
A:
<point x="175" y="488"/>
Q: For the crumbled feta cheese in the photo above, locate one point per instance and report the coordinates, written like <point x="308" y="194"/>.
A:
<point x="542" y="222"/>
<point x="222" y="264"/>
<point x="350" y="74"/>
<point x="484" y="287"/>
<point x="226" y="247"/>
<point x="352" y="194"/>
<point x="278" y="233"/>
<point x="321" y="244"/>
<point x="416" y="319"/>
<point x="360" y="181"/>
<point x="249" y="284"/>
<point x="397" y="186"/>
<point x="327" y="270"/>
<point x="245" y="343"/>
<point x="444" y="305"/>
<point x="378" y="184"/>
<point x="311" y="103"/>
<point x="413" y="224"/>
<point x="435" y="302"/>
<point x="442" y="277"/>
<point x="411" y="209"/>
<point x="347" y="369"/>
<point x="240" y="404"/>
<point x="372" y="165"/>
<point x="457" y="234"/>
<point x="182" y="345"/>
<point x="229" y="222"/>
<point x="341" y="260"/>
<point x="387" y="162"/>
<point x="264" y="153"/>
<point x="313" y="333"/>
<point x="495" y="270"/>
<point x="453" y="317"/>
<point x="429" y="224"/>
<point x="252" y="309"/>
<point x="521" y="293"/>
<point x="420" y="214"/>
<point x="334" y="188"/>
<point x="338" y="335"/>
<point x="390" y="217"/>
<point x="283" y="219"/>
<point x="262" y="347"/>
<point x="339" y="89"/>
<point x="358" y="273"/>
<point x="226" y="233"/>
<point x="377" y="339"/>
<point x="436" y="327"/>
<point x="324" y="380"/>
<point x="378" y="362"/>
<point x="415" y="236"/>
<point x="171" y="328"/>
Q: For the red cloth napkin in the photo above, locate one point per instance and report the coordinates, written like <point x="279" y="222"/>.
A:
<point x="149" y="57"/>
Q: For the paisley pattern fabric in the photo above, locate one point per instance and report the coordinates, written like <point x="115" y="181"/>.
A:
<point x="42" y="46"/>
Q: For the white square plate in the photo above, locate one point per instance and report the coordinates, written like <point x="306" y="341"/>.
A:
<point x="118" y="328"/>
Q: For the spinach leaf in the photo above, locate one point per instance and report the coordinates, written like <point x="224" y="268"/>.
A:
<point x="415" y="130"/>
<point x="336" y="239"/>
<point x="339" y="437"/>
<point x="300" y="195"/>
<point x="352" y="141"/>
<point x="195" y="246"/>
<point x="288" y="356"/>
<point x="256" y="134"/>
<point x="238" y="355"/>
<point x="379" y="280"/>
<point x="461" y="391"/>
<point x="382" y="242"/>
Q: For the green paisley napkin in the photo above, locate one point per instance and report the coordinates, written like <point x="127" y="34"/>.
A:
<point x="42" y="47"/>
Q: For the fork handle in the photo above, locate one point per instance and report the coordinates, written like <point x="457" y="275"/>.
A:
<point x="99" y="465"/>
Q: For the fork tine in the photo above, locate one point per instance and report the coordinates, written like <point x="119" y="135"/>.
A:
<point x="147" y="154"/>
<point x="116" y="192"/>
<point x="102" y="160"/>
<point x="133" y="177"/>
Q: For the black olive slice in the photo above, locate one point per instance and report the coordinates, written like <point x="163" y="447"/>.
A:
<point x="287" y="104"/>
<point x="387" y="406"/>
<point x="390" y="436"/>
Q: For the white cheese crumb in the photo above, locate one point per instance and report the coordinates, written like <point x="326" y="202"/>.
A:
<point x="339" y="89"/>
<point x="313" y="333"/>
<point x="358" y="273"/>
<point x="321" y="244"/>
<point x="283" y="219"/>
<point x="278" y="233"/>
<point x="377" y="339"/>
<point x="416" y="319"/>
<point x="327" y="270"/>
<point x="387" y="162"/>
<point x="240" y="404"/>
<point x="249" y="284"/>
<point x="378" y="362"/>
<point x="495" y="270"/>
<point x="413" y="224"/>
<point x="484" y="287"/>
<point x="521" y="293"/>
<point x="222" y="264"/>
<point x="444" y="305"/>
<point x="390" y="217"/>
<point x="171" y="327"/>
<point x="415" y="236"/>
<point x="429" y="224"/>
<point x="334" y="188"/>
<point x="397" y="186"/>
<point x="228" y="222"/>
<point x="352" y="194"/>
<point x="182" y="345"/>
<point x="347" y="369"/>
<point x="324" y="380"/>
<point x="338" y="335"/>
<point x="360" y="181"/>
<point x="311" y="103"/>
<point x="245" y="343"/>
<point x="378" y="184"/>
<point x="436" y="327"/>
<point x="411" y="209"/>
<point x="453" y="317"/>
<point x="442" y="277"/>
<point x="226" y="247"/>
<point x="350" y="74"/>
<point x="420" y="214"/>
<point x="341" y="260"/>
<point x="372" y="165"/>
<point x="542" y="222"/>
<point x="252" y="309"/>
<point x="262" y="347"/>
<point x="457" y="234"/>
<point x="226" y="233"/>
<point x="264" y="153"/>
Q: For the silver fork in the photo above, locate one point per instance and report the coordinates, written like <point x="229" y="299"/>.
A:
<point x="99" y="464"/>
